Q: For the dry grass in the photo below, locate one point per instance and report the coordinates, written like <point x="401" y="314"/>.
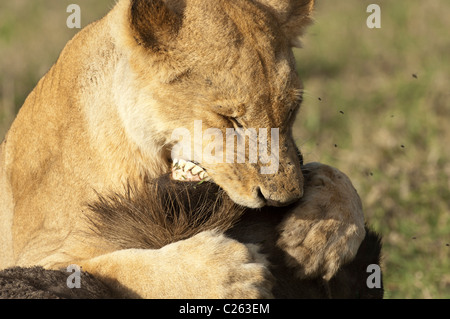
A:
<point x="389" y="131"/>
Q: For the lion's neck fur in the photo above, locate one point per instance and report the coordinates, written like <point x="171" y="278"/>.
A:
<point x="131" y="145"/>
<point x="111" y="104"/>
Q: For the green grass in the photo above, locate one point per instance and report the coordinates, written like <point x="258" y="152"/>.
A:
<point x="393" y="136"/>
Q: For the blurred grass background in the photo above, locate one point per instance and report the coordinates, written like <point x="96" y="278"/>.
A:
<point x="376" y="106"/>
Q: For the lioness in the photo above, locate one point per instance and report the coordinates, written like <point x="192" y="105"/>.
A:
<point x="104" y="115"/>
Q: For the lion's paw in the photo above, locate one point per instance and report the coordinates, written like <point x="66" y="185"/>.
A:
<point x="326" y="228"/>
<point x="219" y="267"/>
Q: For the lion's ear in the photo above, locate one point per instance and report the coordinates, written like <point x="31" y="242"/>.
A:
<point x="153" y="23"/>
<point x="294" y="16"/>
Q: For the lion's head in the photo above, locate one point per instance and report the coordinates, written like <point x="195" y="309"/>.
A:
<point x="209" y="66"/>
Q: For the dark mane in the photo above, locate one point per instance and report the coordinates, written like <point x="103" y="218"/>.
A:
<point x="162" y="212"/>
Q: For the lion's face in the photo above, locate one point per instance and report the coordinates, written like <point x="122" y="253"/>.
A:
<point x="227" y="84"/>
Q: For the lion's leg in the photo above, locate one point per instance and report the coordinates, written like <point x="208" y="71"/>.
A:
<point x="325" y="229"/>
<point x="208" y="265"/>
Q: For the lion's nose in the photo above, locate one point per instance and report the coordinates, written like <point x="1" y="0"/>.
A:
<point x="274" y="197"/>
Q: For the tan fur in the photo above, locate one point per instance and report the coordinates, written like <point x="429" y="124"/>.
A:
<point x="104" y="113"/>
<point x="208" y="265"/>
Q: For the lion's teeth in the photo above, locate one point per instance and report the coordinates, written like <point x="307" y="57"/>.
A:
<point x="196" y="170"/>
<point x="186" y="170"/>
<point x="188" y="166"/>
